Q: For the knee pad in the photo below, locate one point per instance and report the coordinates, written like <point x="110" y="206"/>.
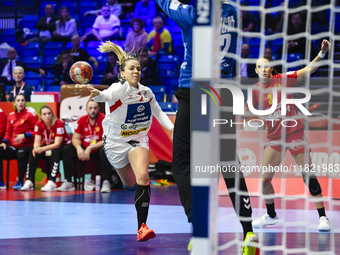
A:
<point x="130" y="188"/>
<point x="314" y="185"/>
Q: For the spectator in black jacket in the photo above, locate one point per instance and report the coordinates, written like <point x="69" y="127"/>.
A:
<point x="7" y="67"/>
<point x="62" y="70"/>
<point x="110" y="74"/>
<point x="46" y="25"/>
<point x="149" y="68"/>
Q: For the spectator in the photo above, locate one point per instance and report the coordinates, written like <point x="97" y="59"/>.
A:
<point x="66" y="27"/>
<point x="113" y="5"/>
<point x="270" y="23"/>
<point x="268" y="54"/>
<point x="279" y="20"/>
<point x="62" y="70"/>
<point x="20" y="86"/>
<point x="145" y="10"/>
<point x="149" y="68"/>
<point x="87" y="144"/>
<point x="79" y="54"/>
<point x="137" y="38"/>
<point x="18" y="140"/>
<point x="247" y="70"/>
<point x="297" y="25"/>
<point x="110" y="74"/>
<point x="7" y="67"/>
<point x="159" y="40"/>
<point x="3" y="119"/>
<point x="46" y="25"/>
<point x="50" y="137"/>
<point x="248" y="20"/>
<point x="105" y="27"/>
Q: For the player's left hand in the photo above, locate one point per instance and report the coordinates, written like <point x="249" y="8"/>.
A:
<point x="172" y="133"/>
<point x="325" y="46"/>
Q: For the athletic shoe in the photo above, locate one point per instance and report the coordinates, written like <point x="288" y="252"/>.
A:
<point x="189" y="247"/>
<point x="66" y="186"/>
<point x="264" y="221"/>
<point x="2" y="185"/>
<point x="106" y="187"/>
<point x="249" y="247"/>
<point x="324" y="224"/>
<point x="144" y="233"/>
<point x="18" y="185"/>
<point x="89" y="185"/>
<point x="28" y="185"/>
<point x="50" y="186"/>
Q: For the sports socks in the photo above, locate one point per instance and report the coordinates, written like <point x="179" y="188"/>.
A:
<point x="247" y="227"/>
<point x="142" y="200"/>
<point x="322" y="212"/>
<point x="271" y="210"/>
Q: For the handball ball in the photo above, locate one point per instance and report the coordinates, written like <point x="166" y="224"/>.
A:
<point x="81" y="72"/>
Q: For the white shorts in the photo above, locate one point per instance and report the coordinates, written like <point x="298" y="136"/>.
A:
<point x="118" y="153"/>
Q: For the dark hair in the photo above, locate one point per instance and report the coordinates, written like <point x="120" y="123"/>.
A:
<point x="141" y="22"/>
<point x="19" y="95"/>
<point x="141" y="50"/>
<point x="274" y="71"/>
<point x="61" y="20"/>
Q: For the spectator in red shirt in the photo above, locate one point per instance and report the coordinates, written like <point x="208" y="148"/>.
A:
<point x="50" y="137"/>
<point x="18" y="135"/>
<point x="3" y="119"/>
<point x="87" y="144"/>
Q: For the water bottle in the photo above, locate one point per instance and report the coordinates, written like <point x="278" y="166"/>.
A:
<point x="97" y="182"/>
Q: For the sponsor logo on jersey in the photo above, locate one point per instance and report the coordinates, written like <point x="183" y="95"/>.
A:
<point x="140" y="108"/>
<point x="137" y="113"/>
<point x="97" y="129"/>
<point x="135" y="126"/>
<point x="133" y="132"/>
<point x="60" y="131"/>
<point x="36" y="129"/>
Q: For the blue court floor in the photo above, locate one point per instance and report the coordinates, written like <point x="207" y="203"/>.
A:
<point x="94" y="223"/>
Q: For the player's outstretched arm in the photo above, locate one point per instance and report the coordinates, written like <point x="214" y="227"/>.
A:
<point x="311" y="68"/>
<point x="94" y="92"/>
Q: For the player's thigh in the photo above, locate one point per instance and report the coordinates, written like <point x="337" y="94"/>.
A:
<point x="271" y="158"/>
<point x="304" y="160"/>
<point x="127" y="175"/>
<point x="139" y="160"/>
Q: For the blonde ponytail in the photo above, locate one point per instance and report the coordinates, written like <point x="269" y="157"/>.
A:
<point x="121" y="54"/>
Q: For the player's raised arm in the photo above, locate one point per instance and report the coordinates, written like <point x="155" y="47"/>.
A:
<point x="311" y="68"/>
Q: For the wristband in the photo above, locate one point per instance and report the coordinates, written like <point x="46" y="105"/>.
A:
<point x="322" y="55"/>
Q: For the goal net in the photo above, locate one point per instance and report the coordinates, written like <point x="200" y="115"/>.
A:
<point x="290" y="33"/>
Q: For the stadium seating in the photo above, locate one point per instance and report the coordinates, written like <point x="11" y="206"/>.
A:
<point x="158" y="91"/>
<point x="32" y="78"/>
<point x="33" y="61"/>
<point x="29" y="21"/>
<point x="8" y="35"/>
<point x="167" y="106"/>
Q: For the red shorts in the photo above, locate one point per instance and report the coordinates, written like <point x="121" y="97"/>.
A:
<point x="291" y="140"/>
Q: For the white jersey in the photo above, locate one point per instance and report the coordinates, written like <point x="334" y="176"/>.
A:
<point x="129" y="110"/>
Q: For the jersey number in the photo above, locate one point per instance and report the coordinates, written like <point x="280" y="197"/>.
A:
<point x="225" y="41"/>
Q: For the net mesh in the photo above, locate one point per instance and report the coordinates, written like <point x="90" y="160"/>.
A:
<point x="297" y="230"/>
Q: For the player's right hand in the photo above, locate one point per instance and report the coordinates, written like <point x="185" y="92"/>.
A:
<point x="94" y="92"/>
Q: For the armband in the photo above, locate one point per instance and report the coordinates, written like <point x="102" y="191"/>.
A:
<point x="322" y="55"/>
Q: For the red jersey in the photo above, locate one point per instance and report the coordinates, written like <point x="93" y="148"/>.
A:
<point x="274" y="127"/>
<point x="3" y="119"/>
<point x="48" y="136"/>
<point x="20" y="123"/>
<point x="89" y="133"/>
